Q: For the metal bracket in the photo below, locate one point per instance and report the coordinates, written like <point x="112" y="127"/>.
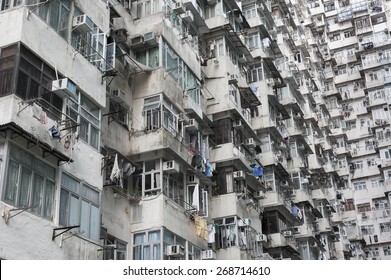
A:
<point x="64" y="230"/>
<point x="6" y="214"/>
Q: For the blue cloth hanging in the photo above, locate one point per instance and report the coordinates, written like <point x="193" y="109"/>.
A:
<point x="258" y="171"/>
<point x="55" y="133"/>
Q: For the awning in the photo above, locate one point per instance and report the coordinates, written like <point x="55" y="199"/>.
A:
<point x="249" y="99"/>
<point x="46" y="148"/>
<point x="136" y="67"/>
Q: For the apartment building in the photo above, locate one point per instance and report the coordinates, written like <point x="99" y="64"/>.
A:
<point x="188" y="130"/>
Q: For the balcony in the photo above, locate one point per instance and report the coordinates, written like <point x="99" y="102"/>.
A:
<point x="302" y="196"/>
<point x="22" y="119"/>
<point x="278" y="240"/>
<point x="273" y="158"/>
<point x="324" y="225"/>
<point x="229" y="152"/>
<point x="161" y="139"/>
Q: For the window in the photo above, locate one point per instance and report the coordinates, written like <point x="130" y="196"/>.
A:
<point x="226" y="234"/>
<point x="252" y="41"/>
<point x="119" y="113"/>
<point x="169" y="239"/>
<point x="194" y="253"/>
<point x="146" y="8"/>
<point x="249" y="11"/>
<point x="149" y="57"/>
<point x="181" y="73"/>
<point x="34" y="80"/>
<point x="115" y="249"/>
<point x="335" y="37"/>
<point x="349" y="205"/>
<point x="329" y="6"/>
<point x="7" y="65"/>
<point x="359" y="186"/>
<point x="363" y="207"/>
<point x="173" y="188"/>
<point x="146" y="246"/>
<point x="367" y="230"/>
<point x="233" y="94"/>
<point x="385" y="227"/>
<point x="55" y="13"/>
<point x="79" y="205"/>
<point x="158" y="112"/>
<point x="197" y="199"/>
<point x="255" y="73"/>
<point x="87" y="114"/>
<point x="223" y="131"/>
<point x="30" y="182"/>
<point x="349" y="33"/>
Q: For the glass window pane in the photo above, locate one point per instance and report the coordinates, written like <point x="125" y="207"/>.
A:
<point x="12" y="181"/>
<point x="139" y="238"/>
<point x="83" y="130"/>
<point x="74" y="211"/>
<point x="54" y="14"/>
<point x="69" y="183"/>
<point x="64" y="198"/>
<point x="85" y="218"/>
<point x="25" y="181"/>
<point x="154" y="236"/>
<point x="147" y="252"/>
<point x="37" y="194"/>
<point x="94" y="137"/>
<point x="49" y="198"/>
<point x="90" y="194"/>
<point x="95" y="223"/>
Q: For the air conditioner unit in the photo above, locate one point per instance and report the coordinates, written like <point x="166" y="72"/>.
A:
<point x="175" y="251"/>
<point x="150" y="38"/>
<point x="238" y="124"/>
<point x="244" y="222"/>
<point x="270" y="82"/>
<point x="261" y="238"/>
<point x="259" y="195"/>
<point x="242" y="58"/>
<point x="187" y="16"/>
<point x="82" y="23"/>
<point x="178" y="8"/>
<point x="284" y="183"/>
<point x="64" y="87"/>
<point x="136" y="41"/>
<point x="118" y="95"/>
<point x="233" y="79"/>
<point x="192" y="179"/>
<point x="287" y="233"/>
<point x="120" y="35"/>
<point x="171" y="166"/>
<point x="208" y="255"/>
<point x="239" y="175"/>
<point x="192" y="126"/>
<point x="250" y="142"/>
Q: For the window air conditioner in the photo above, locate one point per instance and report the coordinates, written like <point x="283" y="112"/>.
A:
<point x="261" y="238"/>
<point x="260" y="195"/>
<point x="192" y="179"/>
<point x="244" y="222"/>
<point x="233" y="79"/>
<point x="136" y="41"/>
<point x="284" y="183"/>
<point x="192" y="126"/>
<point x="64" y="87"/>
<point x="178" y="8"/>
<point x="120" y="35"/>
<point x="118" y="96"/>
<point x="239" y="175"/>
<point x="187" y="16"/>
<point x="171" y="166"/>
<point x="287" y="233"/>
<point x="270" y="82"/>
<point x="238" y="124"/>
<point x="250" y="142"/>
<point x="242" y="58"/>
<point x="150" y="38"/>
<point x="83" y="23"/>
<point x="208" y="255"/>
<point x="175" y="250"/>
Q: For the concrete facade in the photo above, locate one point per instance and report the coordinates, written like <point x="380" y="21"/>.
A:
<point x="214" y="129"/>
